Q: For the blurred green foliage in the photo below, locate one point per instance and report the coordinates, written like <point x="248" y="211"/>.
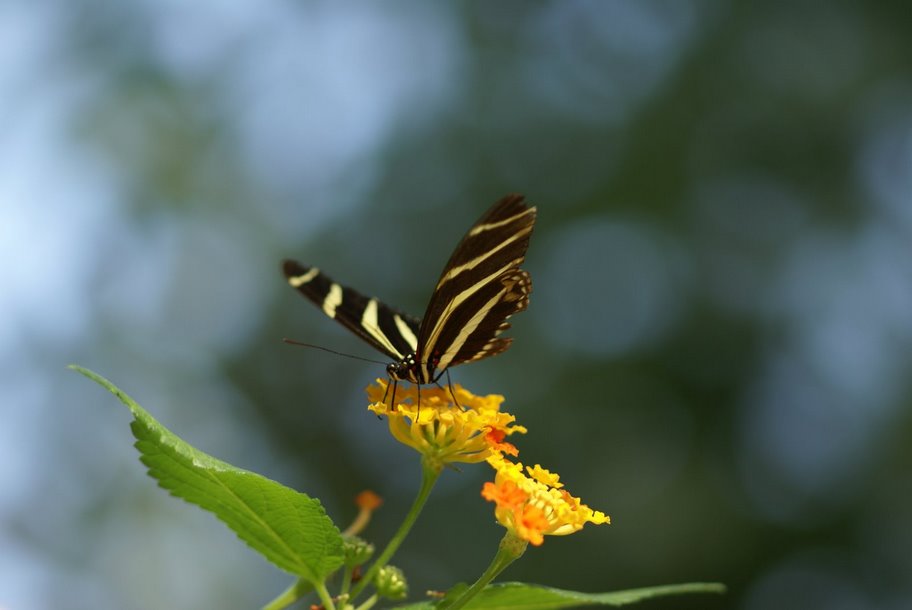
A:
<point x="717" y="347"/>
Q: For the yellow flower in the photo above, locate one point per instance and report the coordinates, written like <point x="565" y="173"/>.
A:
<point x="531" y="504"/>
<point x="441" y="430"/>
<point x="545" y="476"/>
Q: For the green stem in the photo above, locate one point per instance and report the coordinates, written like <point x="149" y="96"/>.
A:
<point x="346" y="581"/>
<point x="429" y="475"/>
<point x="296" y="591"/>
<point x="325" y="597"/>
<point x="368" y="603"/>
<point x="510" y="549"/>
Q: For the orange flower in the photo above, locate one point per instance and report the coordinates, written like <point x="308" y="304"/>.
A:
<point x="531" y="504"/>
<point x="367" y="502"/>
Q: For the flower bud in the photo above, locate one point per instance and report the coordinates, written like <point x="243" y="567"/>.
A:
<point x="391" y="583"/>
<point x="356" y="551"/>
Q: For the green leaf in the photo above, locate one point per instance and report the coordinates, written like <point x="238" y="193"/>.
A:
<point x="520" y="596"/>
<point x="287" y="527"/>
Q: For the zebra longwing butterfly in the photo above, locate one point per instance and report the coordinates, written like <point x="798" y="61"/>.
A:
<point x="480" y="288"/>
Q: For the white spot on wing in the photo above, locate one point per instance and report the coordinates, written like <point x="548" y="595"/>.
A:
<point x="332" y="300"/>
<point x="299" y="280"/>
<point x="369" y="317"/>
<point x="406" y="332"/>
<point x="370" y="323"/>
<point x="493" y="225"/>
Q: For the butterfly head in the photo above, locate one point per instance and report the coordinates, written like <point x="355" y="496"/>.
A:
<point x="406" y="369"/>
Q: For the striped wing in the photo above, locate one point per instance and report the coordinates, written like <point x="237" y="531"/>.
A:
<point x="479" y="289"/>
<point x="390" y="331"/>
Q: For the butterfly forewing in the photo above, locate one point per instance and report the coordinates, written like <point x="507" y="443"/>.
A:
<point x="390" y="331"/>
<point x="480" y="287"/>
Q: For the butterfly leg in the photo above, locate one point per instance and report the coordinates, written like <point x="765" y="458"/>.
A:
<point x="393" y="397"/>
<point x="450" y="385"/>
<point x="418" y="414"/>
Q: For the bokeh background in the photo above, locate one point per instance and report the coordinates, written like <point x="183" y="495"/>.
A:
<point x="718" y="348"/>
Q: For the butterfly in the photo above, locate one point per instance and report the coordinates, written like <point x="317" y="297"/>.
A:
<point x="481" y="286"/>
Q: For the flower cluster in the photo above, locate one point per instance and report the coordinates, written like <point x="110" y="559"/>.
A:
<point x="531" y="504"/>
<point x="442" y="430"/>
<point x="454" y="425"/>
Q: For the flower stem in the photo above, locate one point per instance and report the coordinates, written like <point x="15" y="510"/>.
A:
<point x="430" y="472"/>
<point x="296" y="591"/>
<point x="325" y="597"/>
<point x="510" y="549"/>
<point x="369" y="603"/>
<point x="346" y="581"/>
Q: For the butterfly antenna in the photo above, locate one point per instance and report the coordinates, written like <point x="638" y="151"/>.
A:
<point x="331" y="351"/>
